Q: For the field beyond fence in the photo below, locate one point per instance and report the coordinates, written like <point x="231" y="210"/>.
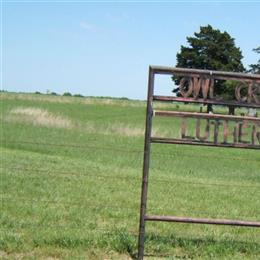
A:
<point x="71" y="178"/>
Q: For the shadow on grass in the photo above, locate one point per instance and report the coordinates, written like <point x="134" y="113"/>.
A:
<point x="124" y="242"/>
<point x="187" y="248"/>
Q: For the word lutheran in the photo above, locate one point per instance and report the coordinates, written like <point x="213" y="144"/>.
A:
<point x="222" y="132"/>
<point x="215" y="129"/>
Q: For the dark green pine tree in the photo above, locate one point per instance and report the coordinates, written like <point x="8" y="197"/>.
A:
<point x="255" y="68"/>
<point x="213" y="50"/>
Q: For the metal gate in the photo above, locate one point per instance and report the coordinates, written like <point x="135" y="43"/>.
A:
<point x="197" y="87"/>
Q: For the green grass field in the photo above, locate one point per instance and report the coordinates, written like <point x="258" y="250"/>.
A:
<point x="71" y="178"/>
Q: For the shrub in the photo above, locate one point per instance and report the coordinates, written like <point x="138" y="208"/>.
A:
<point x="67" y="94"/>
<point x="78" y="95"/>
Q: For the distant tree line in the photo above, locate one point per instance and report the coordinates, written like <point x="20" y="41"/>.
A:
<point x="68" y="94"/>
<point x="65" y="94"/>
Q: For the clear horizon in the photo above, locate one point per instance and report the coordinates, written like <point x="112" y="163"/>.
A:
<point x="105" y="48"/>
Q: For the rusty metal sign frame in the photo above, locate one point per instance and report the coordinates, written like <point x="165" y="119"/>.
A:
<point x="200" y="90"/>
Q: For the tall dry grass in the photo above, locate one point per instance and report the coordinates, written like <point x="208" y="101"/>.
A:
<point x="38" y="117"/>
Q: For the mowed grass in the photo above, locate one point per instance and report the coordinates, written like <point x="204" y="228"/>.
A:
<point x="71" y="177"/>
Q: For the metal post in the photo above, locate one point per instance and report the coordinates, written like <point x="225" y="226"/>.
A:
<point x="146" y="164"/>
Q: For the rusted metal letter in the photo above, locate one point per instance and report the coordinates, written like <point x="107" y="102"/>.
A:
<point x="255" y="134"/>
<point x="186" y="87"/>
<point x="184" y="130"/>
<point x="206" y="134"/>
<point x="216" y="124"/>
<point x="242" y="126"/>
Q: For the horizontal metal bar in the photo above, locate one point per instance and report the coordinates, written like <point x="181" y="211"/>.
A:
<point x="202" y="143"/>
<point x="203" y="221"/>
<point x="206" y="102"/>
<point x="204" y="116"/>
<point x="211" y="73"/>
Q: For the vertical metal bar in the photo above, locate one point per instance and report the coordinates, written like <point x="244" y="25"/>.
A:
<point x="146" y="163"/>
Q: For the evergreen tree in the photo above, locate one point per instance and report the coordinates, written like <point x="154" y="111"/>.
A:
<point x="211" y="49"/>
<point x="255" y="68"/>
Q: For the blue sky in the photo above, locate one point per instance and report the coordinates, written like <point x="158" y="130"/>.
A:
<point x="104" y="49"/>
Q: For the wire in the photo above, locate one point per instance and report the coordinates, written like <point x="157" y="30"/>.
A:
<point x="120" y="149"/>
<point x="130" y="178"/>
<point x="68" y="174"/>
<point x="102" y="231"/>
<point x="134" y="209"/>
<point x="76" y="146"/>
<point x="79" y="204"/>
